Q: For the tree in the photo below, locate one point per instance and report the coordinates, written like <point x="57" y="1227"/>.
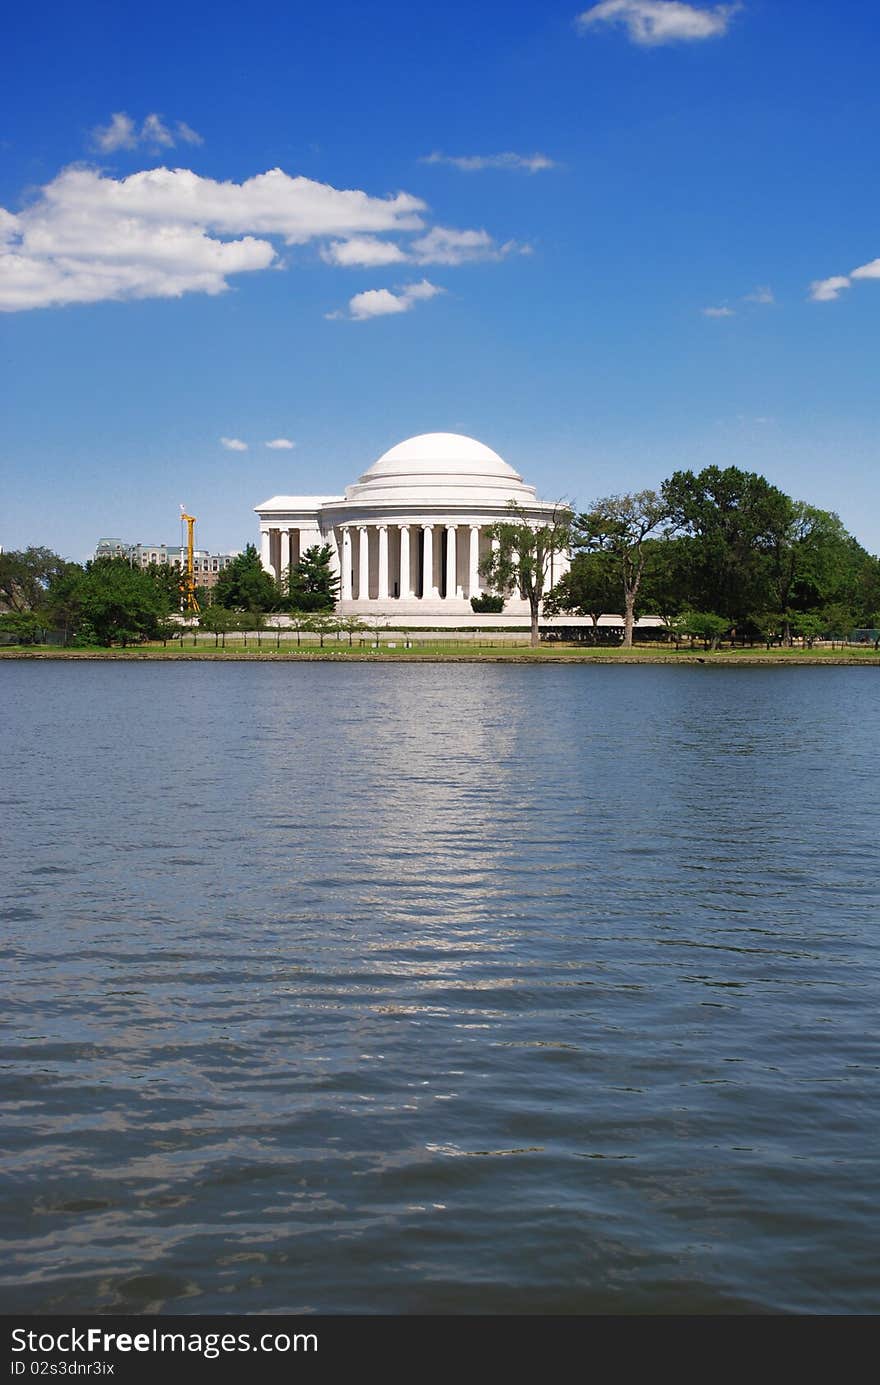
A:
<point x="733" y="523"/>
<point x="350" y="625"/>
<point x="167" y="578"/>
<point x="119" y="602"/>
<point x="322" y="625"/>
<point x="312" y="584"/>
<point x="522" y="556"/>
<point x="63" y="604"/>
<point x="836" y="620"/>
<point x="867" y="595"/>
<point x="245" y="585"/>
<point x="701" y="625"/>
<point x="376" y="625"/>
<point x="591" y="587"/>
<point x="618" y="525"/>
<point x="218" y="621"/>
<point x="252" y="620"/>
<point x="301" y="622"/>
<point x="25" y="627"/>
<point x="666" y="584"/>
<point x="26" y="575"/>
<point x="814" y="562"/>
<point x="809" y="625"/>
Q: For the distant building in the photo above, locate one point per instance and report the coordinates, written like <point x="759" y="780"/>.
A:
<point x="206" y="566"/>
<point x="112" y="548"/>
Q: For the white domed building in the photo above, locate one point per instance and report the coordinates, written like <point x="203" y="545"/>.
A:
<point x="409" y="536"/>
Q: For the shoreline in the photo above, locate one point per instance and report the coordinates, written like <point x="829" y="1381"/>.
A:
<point x="777" y="658"/>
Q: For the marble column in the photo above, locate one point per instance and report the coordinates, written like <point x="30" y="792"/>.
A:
<point x="383" y="562"/>
<point x="284" y="558"/>
<point x="265" y="549"/>
<point x="474" y="562"/>
<point x="404" y="586"/>
<point x="429" y="589"/>
<point x="346" y="563"/>
<point x="451" y="562"/>
<point x="363" y="563"/>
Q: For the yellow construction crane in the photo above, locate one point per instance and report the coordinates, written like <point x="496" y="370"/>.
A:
<point x="187" y="580"/>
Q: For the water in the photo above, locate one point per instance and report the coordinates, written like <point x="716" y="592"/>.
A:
<point x="439" y="989"/>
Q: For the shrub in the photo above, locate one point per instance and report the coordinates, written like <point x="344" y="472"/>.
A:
<point x="487" y="604"/>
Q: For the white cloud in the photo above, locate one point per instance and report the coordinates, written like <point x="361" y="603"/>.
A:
<point x="281" y="444"/>
<point x="364" y="252"/>
<point x="867" y="271"/>
<point x="826" y="290"/>
<point x="273" y="203"/>
<point x="718" y="312"/>
<point x="234" y="444"/>
<point x="187" y="134"/>
<point x="475" y="163"/>
<point x="443" y="245"/>
<point x="652" y="22"/>
<point x="376" y="303"/>
<point x="122" y="133"/>
<point x="440" y="245"/>
<point x="382" y="302"/>
<point x="157" y="234"/>
<point x="119" y="134"/>
<point x="153" y="131"/>
<point x="87" y="237"/>
<point x="762" y="294"/>
<point x="423" y="289"/>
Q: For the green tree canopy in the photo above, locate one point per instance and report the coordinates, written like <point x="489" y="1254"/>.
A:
<point x="312" y="584"/>
<point x="735" y="522"/>
<point x="591" y="587"/>
<point x="23" y="627"/>
<point x="245" y="585"/>
<point x="667" y="585"/>
<point x="522" y="556"/>
<point x="349" y="625"/>
<point x="701" y="625"/>
<point x="26" y="575"/>
<point x="168" y="578"/>
<point x="322" y="625"/>
<point x="619" y="526"/>
<point x="113" y="600"/>
<point x="62" y="605"/>
<point x="218" y="621"/>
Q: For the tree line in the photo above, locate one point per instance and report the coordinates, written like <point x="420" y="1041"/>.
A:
<point x="721" y="553"/>
<point x="108" y="601"/>
<point x="717" y="554"/>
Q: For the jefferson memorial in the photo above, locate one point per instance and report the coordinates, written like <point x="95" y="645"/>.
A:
<point x="409" y="536"/>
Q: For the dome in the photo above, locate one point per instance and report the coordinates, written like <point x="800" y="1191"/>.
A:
<point x="441" y="467"/>
<point x="439" y="453"/>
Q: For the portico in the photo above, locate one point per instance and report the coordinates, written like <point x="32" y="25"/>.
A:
<point x="411" y="562"/>
<point x="410" y="535"/>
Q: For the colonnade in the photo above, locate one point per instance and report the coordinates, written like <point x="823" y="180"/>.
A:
<point x="280" y="548"/>
<point x="411" y="562"/>
<point x="388" y="562"/>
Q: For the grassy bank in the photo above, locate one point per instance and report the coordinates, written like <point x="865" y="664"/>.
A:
<point x="453" y="652"/>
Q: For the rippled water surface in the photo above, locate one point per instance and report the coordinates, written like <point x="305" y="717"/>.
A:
<point x="439" y="988"/>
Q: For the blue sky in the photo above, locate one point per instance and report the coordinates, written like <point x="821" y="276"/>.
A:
<point x="689" y="158"/>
